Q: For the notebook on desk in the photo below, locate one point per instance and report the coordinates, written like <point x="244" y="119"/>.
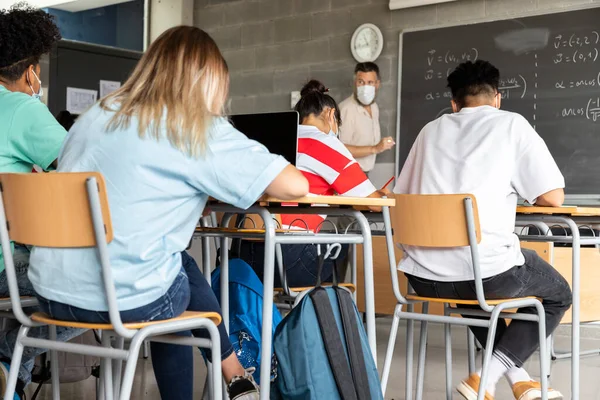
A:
<point x="278" y="131"/>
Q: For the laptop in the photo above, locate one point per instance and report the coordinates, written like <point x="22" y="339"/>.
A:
<point x="277" y="131"/>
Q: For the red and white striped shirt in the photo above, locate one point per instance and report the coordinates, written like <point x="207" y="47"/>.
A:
<point x="330" y="169"/>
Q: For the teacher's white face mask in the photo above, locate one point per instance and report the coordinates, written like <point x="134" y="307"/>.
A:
<point x="366" y="94"/>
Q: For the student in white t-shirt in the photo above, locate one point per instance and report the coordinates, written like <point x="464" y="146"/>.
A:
<point x="497" y="156"/>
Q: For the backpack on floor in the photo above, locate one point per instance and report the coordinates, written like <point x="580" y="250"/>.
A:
<point x="71" y="367"/>
<point x="322" y="350"/>
<point x="245" y="313"/>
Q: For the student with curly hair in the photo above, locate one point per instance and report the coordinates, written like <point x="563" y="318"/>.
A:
<point x="30" y="136"/>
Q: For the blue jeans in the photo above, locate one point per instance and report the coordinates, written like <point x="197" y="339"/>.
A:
<point x="536" y="278"/>
<point x="9" y="338"/>
<point x="173" y="364"/>
<point x="300" y="261"/>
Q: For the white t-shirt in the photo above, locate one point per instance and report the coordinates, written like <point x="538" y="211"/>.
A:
<point x="494" y="155"/>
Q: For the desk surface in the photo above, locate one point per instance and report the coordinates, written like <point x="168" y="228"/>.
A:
<point x="572" y="211"/>
<point x="333" y="201"/>
<point x="327" y="200"/>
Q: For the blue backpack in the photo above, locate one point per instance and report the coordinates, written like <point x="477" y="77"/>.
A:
<point x="323" y="352"/>
<point x="245" y="313"/>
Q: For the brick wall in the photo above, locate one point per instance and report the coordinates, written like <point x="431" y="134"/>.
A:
<point x="274" y="46"/>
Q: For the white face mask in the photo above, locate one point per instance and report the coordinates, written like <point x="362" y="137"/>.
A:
<point x="366" y="94"/>
<point x="39" y="94"/>
<point x="331" y="132"/>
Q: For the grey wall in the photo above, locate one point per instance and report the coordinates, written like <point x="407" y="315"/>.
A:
<point x="274" y="46"/>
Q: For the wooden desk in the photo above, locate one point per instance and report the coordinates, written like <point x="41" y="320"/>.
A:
<point x="332" y="201"/>
<point x="329" y="201"/>
<point x="572" y="211"/>
<point x="266" y="207"/>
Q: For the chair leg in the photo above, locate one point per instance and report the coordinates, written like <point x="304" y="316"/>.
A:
<point x="207" y="392"/>
<point x="448" y="366"/>
<point x="146" y="350"/>
<point x="118" y="367"/>
<point x="106" y="368"/>
<point x="487" y="358"/>
<point x="15" y="364"/>
<point x="471" y="350"/>
<point x="422" y="355"/>
<point x="549" y="345"/>
<point x="389" y="355"/>
<point x="55" y="375"/>
<point x="544" y="368"/>
<point x="130" y="364"/>
<point x="410" y="328"/>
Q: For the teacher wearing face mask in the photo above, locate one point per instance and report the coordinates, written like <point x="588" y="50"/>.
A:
<point x="361" y="132"/>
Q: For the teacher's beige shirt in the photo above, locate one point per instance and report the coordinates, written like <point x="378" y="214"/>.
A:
<point x="360" y="129"/>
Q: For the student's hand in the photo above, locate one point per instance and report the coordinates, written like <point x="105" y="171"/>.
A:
<point x="385" y="192"/>
<point x="385" y="144"/>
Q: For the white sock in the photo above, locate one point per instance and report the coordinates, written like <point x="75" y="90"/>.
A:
<point x="499" y="365"/>
<point x="516" y="374"/>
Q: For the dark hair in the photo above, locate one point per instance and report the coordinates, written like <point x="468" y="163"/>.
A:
<point x="314" y="99"/>
<point x="26" y="34"/>
<point x="367" y="67"/>
<point x="473" y="79"/>
<point x="65" y="119"/>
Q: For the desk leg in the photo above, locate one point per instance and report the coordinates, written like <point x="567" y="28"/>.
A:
<point x="206" y="255"/>
<point x="369" y="280"/>
<point x="354" y="273"/>
<point x="267" y="328"/>
<point x="225" y="273"/>
<point x="576" y="287"/>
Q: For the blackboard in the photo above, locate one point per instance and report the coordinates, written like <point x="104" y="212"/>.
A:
<point x="83" y="66"/>
<point x="550" y="74"/>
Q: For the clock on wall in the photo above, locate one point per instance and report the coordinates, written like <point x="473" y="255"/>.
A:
<point x="366" y="43"/>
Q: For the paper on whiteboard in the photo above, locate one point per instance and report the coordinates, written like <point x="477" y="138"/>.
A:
<point x="79" y="100"/>
<point x="107" y="87"/>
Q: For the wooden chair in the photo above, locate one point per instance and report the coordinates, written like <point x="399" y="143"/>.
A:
<point x="69" y="210"/>
<point x="447" y="221"/>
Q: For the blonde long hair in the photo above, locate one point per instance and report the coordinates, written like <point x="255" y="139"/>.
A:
<point x="180" y="84"/>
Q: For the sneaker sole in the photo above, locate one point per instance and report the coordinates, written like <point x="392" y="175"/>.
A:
<point x="248" y="396"/>
<point x="536" y="394"/>
<point x="466" y="391"/>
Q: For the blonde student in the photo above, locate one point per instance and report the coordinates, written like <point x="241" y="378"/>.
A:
<point x="164" y="146"/>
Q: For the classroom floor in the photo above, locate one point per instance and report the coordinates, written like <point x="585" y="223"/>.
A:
<point x="145" y="386"/>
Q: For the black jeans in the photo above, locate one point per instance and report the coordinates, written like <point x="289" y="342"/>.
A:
<point x="300" y="261"/>
<point x="536" y="278"/>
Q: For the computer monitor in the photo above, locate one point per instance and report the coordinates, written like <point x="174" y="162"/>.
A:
<point x="277" y="131"/>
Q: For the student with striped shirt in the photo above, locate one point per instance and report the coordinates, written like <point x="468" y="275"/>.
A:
<point x="330" y="169"/>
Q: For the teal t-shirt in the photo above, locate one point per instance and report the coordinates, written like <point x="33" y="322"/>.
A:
<point x="29" y="135"/>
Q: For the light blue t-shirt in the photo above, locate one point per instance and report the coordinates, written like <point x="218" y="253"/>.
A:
<point x="156" y="195"/>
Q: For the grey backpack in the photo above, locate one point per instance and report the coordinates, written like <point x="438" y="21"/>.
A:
<point x="72" y="367"/>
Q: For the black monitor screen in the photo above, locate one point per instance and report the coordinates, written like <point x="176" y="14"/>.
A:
<point x="278" y="132"/>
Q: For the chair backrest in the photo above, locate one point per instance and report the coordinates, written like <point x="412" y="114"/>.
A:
<point x="53" y="209"/>
<point x="433" y="220"/>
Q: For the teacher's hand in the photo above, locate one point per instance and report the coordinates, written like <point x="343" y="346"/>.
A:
<point x="385" y="144"/>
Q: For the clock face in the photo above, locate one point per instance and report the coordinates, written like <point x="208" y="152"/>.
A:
<point x="367" y="43"/>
